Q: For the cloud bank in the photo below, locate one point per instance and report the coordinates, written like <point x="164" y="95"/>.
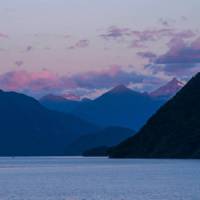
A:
<point x="87" y="84"/>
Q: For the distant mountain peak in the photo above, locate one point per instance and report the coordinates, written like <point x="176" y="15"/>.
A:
<point x="169" y="89"/>
<point x="64" y="97"/>
<point x="172" y="132"/>
<point x="33" y="129"/>
<point x="52" y="97"/>
<point x="86" y="99"/>
<point x="119" y="89"/>
<point x="71" y="97"/>
<point x="175" y="81"/>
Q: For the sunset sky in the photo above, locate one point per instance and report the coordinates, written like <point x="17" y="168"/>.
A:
<point x="85" y="47"/>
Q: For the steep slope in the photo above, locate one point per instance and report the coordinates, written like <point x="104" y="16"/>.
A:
<point x="107" y="137"/>
<point x="28" y="128"/>
<point x="96" y="152"/>
<point x="119" y="107"/>
<point x="168" y="90"/>
<point x="173" y="132"/>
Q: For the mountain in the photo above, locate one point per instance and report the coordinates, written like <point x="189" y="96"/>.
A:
<point x="59" y="103"/>
<point x="120" y="106"/>
<point x="96" y="152"/>
<point x="27" y="128"/>
<point x="71" y="97"/>
<point x="107" y="137"/>
<point x="173" y="132"/>
<point x="168" y="90"/>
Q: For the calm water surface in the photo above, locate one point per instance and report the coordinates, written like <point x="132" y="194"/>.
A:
<point x="65" y="178"/>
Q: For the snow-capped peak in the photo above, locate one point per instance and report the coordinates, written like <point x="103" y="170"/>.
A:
<point x="170" y="89"/>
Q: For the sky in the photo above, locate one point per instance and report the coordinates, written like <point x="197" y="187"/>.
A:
<point x="85" y="47"/>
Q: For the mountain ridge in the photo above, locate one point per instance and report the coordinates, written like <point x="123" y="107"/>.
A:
<point x="119" y="106"/>
<point x="168" y="90"/>
<point x="28" y="128"/>
<point x="105" y="137"/>
<point x="173" y="132"/>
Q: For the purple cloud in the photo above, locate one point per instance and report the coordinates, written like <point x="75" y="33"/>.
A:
<point x="186" y="34"/>
<point x="29" y="48"/>
<point x="138" y="44"/>
<point x="139" y="39"/>
<point x="164" y="22"/>
<point x="19" y="63"/>
<point x="80" y="44"/>
<point x="184" y="18"/>
<point x="153" y="35"/>
<point x="182" y="58"/>
<point x="181" y="52"/>
<point x="115" y="32"/>
<point x="147" y="55"/>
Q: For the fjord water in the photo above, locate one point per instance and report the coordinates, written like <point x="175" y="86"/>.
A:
<point x="76" y="178"/>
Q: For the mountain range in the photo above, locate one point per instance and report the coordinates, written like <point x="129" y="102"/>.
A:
<point x="28" y="128"/>
<point x="173" y="132"/>
<point x="107" y="137"/>
<point x="59" y="126"/>
<point x="120" y="106"/>
<point x="59" y="103"/>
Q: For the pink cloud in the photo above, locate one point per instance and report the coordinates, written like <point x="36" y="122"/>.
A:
<point x="3" y="35"/>
<point x="26" y="81"/>
<point x="88" y="83"/>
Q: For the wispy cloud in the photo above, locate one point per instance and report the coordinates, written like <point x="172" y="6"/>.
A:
<point x="147" y="55"/>
<point x="29" y="48"/>
<point x="115" y="32"/>
<point x="19" y="63"/>
<point x="141" y="38"/>
<point x="80" y="44"/>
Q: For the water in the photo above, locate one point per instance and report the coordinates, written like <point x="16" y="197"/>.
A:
<point x="65" y="178"/>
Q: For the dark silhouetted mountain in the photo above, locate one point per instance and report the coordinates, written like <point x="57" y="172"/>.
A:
<point x="119" y="107"/>
<point x="173" y="132"/>
<point x="107" y="137"/>
<point x="168" y="90"/>
<point x="59" y="103"/>
<point x="96" y="152"/>
<point x="28" y="128"/>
